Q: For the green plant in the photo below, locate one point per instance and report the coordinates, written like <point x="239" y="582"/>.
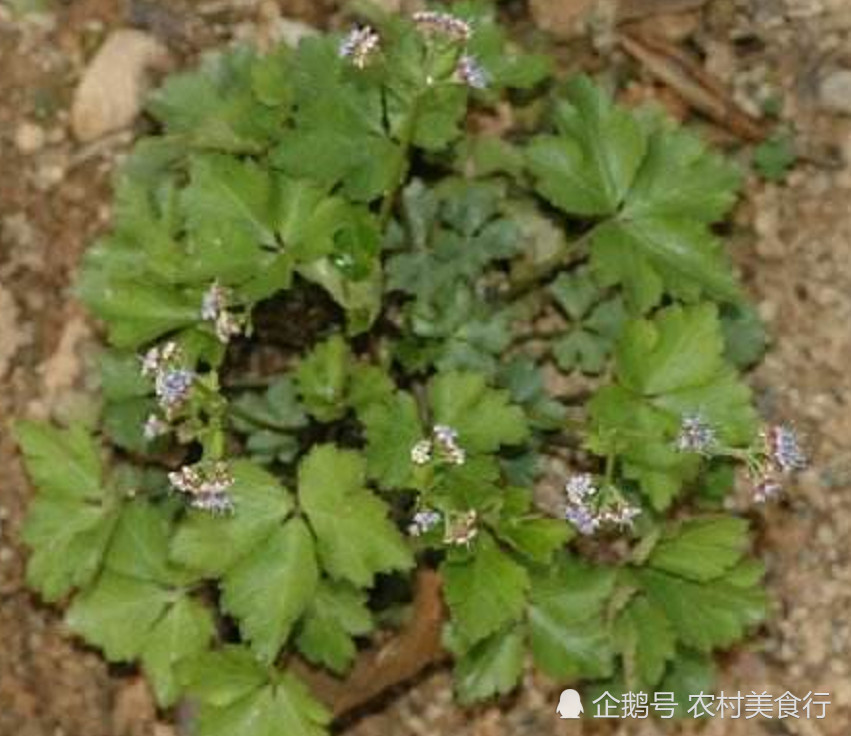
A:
<point x="774" y="157"/>
<point x="345" y="299"/>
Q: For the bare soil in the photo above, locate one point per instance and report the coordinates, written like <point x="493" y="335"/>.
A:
<point x="792" y="242"/>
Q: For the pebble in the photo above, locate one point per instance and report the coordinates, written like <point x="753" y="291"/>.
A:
<point x="291" y="32"/>
<point x="110" y="93"/>
<point x="29" y="137"/>
<point x="567" y="20"/>
<point x="835" y="91"/>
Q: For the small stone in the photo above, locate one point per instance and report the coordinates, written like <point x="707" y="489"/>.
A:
<point x="111" y="91"/>
<point x="29" y="137"/>
<point x="835" y="91"/>
<point x="566" y="20"/>
<point x="292" y="31"/>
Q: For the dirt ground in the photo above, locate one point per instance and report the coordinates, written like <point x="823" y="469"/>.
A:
<point x="792" y="241"/>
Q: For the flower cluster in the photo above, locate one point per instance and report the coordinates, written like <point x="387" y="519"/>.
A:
<point x="434" y="22"/>
<point x="362" y="43"/>
<point x="468" y="70"/>
<point x="172" y="380"/>
<point x="359" y="45"/>
<point x="443" y="445"/>
<point x="214" y="308"/>
<point x="206" y="484"/>
<point x="587" y="509"/>
<point x="777" y="453"/>
<point x="155" y="427"/>
<point x="423" y="522"/>
<point x="780" y="455"/>
<point x="696" y="435"/>
<point x="462" y="529"/>
<point x="783" y="448"/>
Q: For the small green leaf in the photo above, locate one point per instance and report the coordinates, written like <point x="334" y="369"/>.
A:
<point x="214" y="108"/>
<point x="361" y="298"/>
<point x="322" y="377"/>
<point x="270" y="419"/>
<point x="139" y="548"/>
<point x="46" y="448"/>
<point x="709" y="615"/>
<point x="68" y="541"/>
<point x="484" y="589"/>
<point x="117" y="613"/>
<point x="339" y="134"/>
<point x="492" y="667"/>
<point x="370" y="384"/>
<point x="269" y="589"/>
<point x="229" y="207"/>
<point x="650" y="256"/>
<point x="69" y="524"/>
<point x="575" y="293"/>
<point x="183" y="632"/>
<point x="257" y="706"/>
<point x="392" y="428"/>
<point x="524" y="380"/>
<point x="538" y="539"/>
<point x="701" y="549"/>
<point x="745" y="338"/>
<point x="271" y="77"/>
<point x="774" y="157"/>
<point x="213" y="544"/>
<point x="679" y="349"/>
<point x="680" y="177"/>
<point x="583" y="350"/>
<point x="482" y="416"/>
<point x="589" y="168"/>
<point x="689" y="674"/>
<point x="121" y="376"/>
<point x="136" y="312"/>
<point x="338" y="613"/>
<point x="569" y="635"/>
<point x="354" y="537"/>
<point x="646" y="641"/>
<point x="678" y="360"/>
<point x="219" y="678"/>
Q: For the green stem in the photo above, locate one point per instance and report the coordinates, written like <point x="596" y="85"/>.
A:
<point x="610" y="466"/>
<point x="406" y="141"/>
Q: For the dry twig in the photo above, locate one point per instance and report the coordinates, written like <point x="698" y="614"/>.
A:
<point x="692" y="82"/>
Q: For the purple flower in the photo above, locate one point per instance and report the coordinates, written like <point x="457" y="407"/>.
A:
<point x="359" y="45"/>
<point x="471" y="73"/>
<point x="446" y="442"/>
<point x="172" y="386"/>
<point x="582" y="518"/>
<point x="423" y="522"/>
<point x="579" y="487"/>
<point x="696" y="435"/>
<point x="206" y="484"/>
<point x="784" y="449"/>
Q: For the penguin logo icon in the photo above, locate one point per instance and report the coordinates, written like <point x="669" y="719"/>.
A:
<point x="569" y="704"/>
